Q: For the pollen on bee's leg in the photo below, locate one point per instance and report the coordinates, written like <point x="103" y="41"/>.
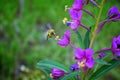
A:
<point x="57" y="38"/>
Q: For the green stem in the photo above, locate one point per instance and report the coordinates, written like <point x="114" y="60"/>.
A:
<point x="94" y="33"/>
<point x="97" y="24"/>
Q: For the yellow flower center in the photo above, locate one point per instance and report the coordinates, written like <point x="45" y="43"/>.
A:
<point x="81" y="64"/>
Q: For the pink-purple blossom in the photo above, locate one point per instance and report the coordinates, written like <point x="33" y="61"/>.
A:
<point x="57" y="73"/>
<point x="75" y="14"/>
<point x="100" y="56"/>
<point x="85" y="56"/>
<point x="74" y="25"/>
<point x="77" y="4"/>
<point x="65" y="40"/>
<point x="113" y="11"/>
<point x="116" y="46"/>
<point x="113" y="14"/>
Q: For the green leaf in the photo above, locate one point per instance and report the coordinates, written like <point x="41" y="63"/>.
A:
<point x="70" y="76"/>
<point x="52" y="64"/>
<point x="87" y="39"/>
<point x="104" y="69"/>
<point x="46" y="70"/>
<point x="80" y="39"/>
<point x="98" y="62"/>
<point x="102" y="62"/>
<point x="95" y="68"/>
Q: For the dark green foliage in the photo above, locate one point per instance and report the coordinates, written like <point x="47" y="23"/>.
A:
<point x="100" y="72"/>
<point x="53" y="64"/>
<point x="46" y="70"/>
<point x="87" y="39"/>
<point x="71" y="76"/>
<point x="80" y="41"/>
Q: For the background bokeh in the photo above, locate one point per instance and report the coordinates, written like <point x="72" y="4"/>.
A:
<point x="23" y="24"/>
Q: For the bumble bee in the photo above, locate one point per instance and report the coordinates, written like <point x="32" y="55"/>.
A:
<point x="50" y="33"/>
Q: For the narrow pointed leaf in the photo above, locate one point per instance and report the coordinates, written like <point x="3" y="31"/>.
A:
<point x="102" y="62"/>
<point x="104" y="69"/>
<point x="52" y="64"/>
<point x="70" y="76"/>
<point x="80" y="39"/>
<point x="87" y="39"/>
<point x="46" y="70"/>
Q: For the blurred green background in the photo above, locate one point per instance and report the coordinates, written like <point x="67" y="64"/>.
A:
<point x="23" y="24"/>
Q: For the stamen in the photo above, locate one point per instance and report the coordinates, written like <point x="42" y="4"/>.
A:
<point x="81" y="64"/>
<point x="51" y="75"/>
<point x="65" y="20"/>
<point x="66" y="7"/>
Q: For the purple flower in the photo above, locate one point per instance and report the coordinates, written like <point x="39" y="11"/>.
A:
<point x="74" y="25"/>
<point x="77" y="4"/>
<point x="113" y="14"/>
<point x="65" y="40"/>
<point x="113" y="11"/>
<point x="85" y="57"/>
<point x="116" y="46"/>
<point x="57" y="73"/>
<point x="100" y="56"/>
<point x="74" y="67"/>
<point x="75" y="14"/>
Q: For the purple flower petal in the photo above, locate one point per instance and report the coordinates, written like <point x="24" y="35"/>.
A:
<point x="74" y="67"/>
<point x="78" y="4"/>
<point x="65" y="40"/>
<point x="75" y="14"/>
<point x="89" y="52"/>
<point x="74" y="25"/>
<point x="116" y="46"/>
<point x="90" y="63"/>
<point x="113" y="14"/>
<point x="79" y="53"/>
<point x="100" y="56"/>
<point x="84" y="57"/>
<point x="113" y="11"/>
<point x="57" y="73"/>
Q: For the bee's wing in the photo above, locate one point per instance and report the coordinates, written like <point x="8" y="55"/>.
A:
<point x="49" y="26"/>
<point x="45" y="36"/>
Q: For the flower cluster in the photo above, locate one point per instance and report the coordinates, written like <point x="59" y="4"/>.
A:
<point x="76" y="15"/>
<point x="85" y="58"/>
<point x="113" y="15"/>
